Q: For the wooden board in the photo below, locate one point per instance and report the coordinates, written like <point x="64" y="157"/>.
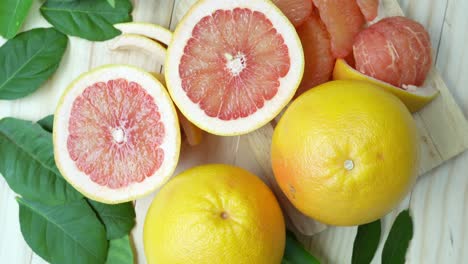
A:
<point x="444" y="129"/>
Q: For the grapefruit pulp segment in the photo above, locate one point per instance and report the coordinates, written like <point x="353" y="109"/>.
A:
<point x="296" y="10"/>
<point x="233" y="65"/>
<point x="369" y="8"/>
<point x="343" y="20"/>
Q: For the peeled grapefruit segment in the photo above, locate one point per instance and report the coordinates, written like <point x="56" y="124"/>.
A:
<point x="343" y="20"/>
<point x="396" y="50"/>
<point x="233" y="65"/>
<point x="149" y="30"/>
<point x="116" y="134"/>
<point x="139" y="42"/>
<point x="415" y="98"/>
<point x="369" y="8"/>
<point x="296" y="10"/>
<point x="319" y="61"/>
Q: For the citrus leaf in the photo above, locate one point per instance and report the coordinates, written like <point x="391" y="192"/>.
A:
<point x="47" y="123"/>
<point x="295" y="253"/>
<point x="88" y="19"/>
<point x="28" y="60"/>
<point x="366" y="242"/>
<point x="66" y="233"/>
<point x="394" y="251"/>
<point x="12" y="15"/>
<point x="111" y="3"/>
<point x="28" y="165"/>
<point x="118" y="219"/>
<point x="120" y="251"/>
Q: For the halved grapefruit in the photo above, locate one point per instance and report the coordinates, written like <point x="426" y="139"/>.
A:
<point x="150" y="30"/>
<point x="232" y="66"/>
<point x="116" y="134"/>
<point x="139" y="42"/>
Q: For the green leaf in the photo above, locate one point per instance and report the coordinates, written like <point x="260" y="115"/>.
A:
<point x="295" y="253"/>
<point x="67" y="233"/>
<point x="366" y="242"/>
<point x="120" y="251"/>
<point x="12" y="15"/>
<point x="28" y="60"/>
<point x="88" y="19"/>
<point x="394" y="251"/>
<point x="27" y="163"/>
<point x="111" y="3"/>
<point x="47" y="123"/>
<point x="118" y="219"/>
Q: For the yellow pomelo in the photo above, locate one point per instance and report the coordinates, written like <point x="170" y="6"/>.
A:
<point x="345" y="152"/>
<point x="214" y="214"/>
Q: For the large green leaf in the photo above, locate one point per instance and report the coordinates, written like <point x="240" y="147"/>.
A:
<point x="27" y="163"/>
<point x="12" y="16"/>
<point x="118" y="219"/>
<point x="111" y="3"/>
<point x="89" y="19"/>
<point x="67" y="233"/>
<point x="120" y="251"/>
<point x="295" y="253"/>
<point x="28" y="60"/>
<point x="394" y="251"/>
<point x="366" y="242"/>
<point x="47" y="123"/>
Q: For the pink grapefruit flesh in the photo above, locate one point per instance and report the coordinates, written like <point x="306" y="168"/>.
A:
<point x="343" y="20"/>
<point x="369" y="8"/>
<point x="395" y="50"/>
<point x="297" y="11"/>
<point x="319" y="61"/>
<point x="252" y="63"/>
<point x="107" y="119"/>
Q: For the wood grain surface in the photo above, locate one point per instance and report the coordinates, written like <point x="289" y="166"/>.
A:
<point x="438" y="203"/>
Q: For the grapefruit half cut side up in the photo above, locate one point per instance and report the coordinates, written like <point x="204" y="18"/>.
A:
<point x="232" y="66"/>
<point x="116" y="134"/>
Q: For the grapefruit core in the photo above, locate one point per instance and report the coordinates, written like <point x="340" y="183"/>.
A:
<point x="232" y="66"/>
<point x="116" y="134"/>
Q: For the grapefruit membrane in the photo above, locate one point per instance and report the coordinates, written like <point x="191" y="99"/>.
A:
<point x="116" y="134"/>
<point x="232" y="66"/>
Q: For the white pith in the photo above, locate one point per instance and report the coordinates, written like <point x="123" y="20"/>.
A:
<point x="271" y="108"/>
<point x="138" y="42"/>
<point x="149" y="30"/>
<point x="170" y="145"/>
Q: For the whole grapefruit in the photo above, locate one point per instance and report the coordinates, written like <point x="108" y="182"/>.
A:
<point x="214" y="214"/>
<point x="345" y="153"/>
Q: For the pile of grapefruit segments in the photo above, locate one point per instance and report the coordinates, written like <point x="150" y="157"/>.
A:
<point x="230" y="67"/>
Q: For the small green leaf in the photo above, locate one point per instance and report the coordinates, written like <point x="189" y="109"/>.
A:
<point x="111" y="3"/>
<point x="66" y="233"/>
<point x="47" y="123"/>
<point x="118" y="219"/>
<point x="27" y="163"/>
<point x="394" y="251"/>
<point x="366" y="243"/>
<point x="120" y="251"/>
<point x="28" y="60"/>
<point x="88" y="19"/>
<point x="12" y="15"/>
<point x="295" y="253"/>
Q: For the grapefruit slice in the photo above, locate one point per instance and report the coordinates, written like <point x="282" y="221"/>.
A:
<point x="149" y="30"/>
<point x="319" y="60"/>
<point x="232" y="66"/>
<point x="139" y="42"/>
<point x="344" y="21"/>
<point x="415" y="98"/>
<point x="296" y="10"/>
<point x="192" y="133"/>
<point x="116" y="134"/>
<point x="369" y="8"/>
